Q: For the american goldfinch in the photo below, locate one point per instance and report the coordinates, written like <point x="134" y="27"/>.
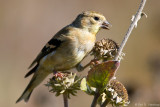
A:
<point x="66" y="49"/>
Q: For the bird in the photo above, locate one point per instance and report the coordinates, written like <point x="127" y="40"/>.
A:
<point x="66" y="49"/>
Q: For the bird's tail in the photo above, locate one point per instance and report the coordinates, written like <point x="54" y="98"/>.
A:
<point x="37" y="78"/>
<point x="26" y="95"/>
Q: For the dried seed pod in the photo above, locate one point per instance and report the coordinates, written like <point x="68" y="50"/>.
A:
<point x="119" y="89"/>
<point x="64" y="82"/>
<point x="115" y="94"/>
<point x="105" y="49"/>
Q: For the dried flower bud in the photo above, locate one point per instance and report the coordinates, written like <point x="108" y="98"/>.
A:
<point x="119" y="89"/>
<point x="115" y="94"/>
<point x="62" y="83"/>
<point x="105" y="49"/>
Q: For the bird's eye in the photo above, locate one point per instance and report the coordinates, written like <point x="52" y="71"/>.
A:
<point x="96" y="18"/>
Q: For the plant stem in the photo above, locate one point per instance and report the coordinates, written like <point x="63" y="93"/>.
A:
<point x="134" y="22"/>
<point x="105" y="103"/>
<point x="94" y="102"/>
<point x="65" y="99"/>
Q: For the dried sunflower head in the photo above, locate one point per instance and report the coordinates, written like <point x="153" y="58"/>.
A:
<point x="105" y="49"/>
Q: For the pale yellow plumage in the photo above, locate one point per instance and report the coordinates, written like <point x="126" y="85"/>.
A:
<point x="66" y="49"/>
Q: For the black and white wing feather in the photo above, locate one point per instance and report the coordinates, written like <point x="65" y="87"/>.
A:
<point x="51" y="46"/>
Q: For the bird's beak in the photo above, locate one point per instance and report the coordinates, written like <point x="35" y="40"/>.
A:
<point x="106" y="25"/>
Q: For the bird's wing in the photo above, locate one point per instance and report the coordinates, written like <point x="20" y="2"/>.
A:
<point x="52" y="45"/>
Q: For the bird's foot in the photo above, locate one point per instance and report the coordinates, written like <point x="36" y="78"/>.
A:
<point x="79" y="68"/>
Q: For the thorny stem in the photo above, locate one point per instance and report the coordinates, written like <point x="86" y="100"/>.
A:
<point x="65" y="99"/>
<point x="134" y="22"/>
<point x="94" y="102"/>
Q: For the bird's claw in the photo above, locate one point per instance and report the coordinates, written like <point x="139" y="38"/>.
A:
<point x="79" y="68"/>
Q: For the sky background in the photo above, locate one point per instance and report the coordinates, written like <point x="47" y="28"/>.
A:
<point x="26" y="25"/>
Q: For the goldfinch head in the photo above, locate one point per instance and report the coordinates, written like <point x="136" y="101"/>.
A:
<point x="91" y="21"/>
